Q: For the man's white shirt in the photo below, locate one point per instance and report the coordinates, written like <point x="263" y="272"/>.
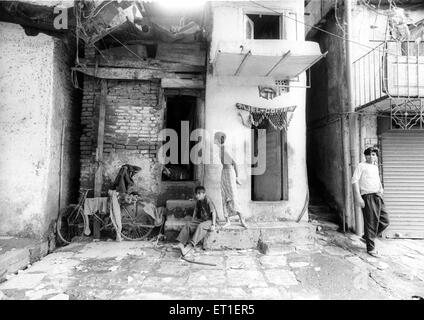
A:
<point x="368" y="178"/>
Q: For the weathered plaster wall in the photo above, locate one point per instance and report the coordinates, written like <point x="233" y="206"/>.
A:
<point x="228" y="18"/>
<point x="221" y="115"/>
<point x="315" y="10"/>
<point x="65" y="130"/>
<point x="30" y="131"/>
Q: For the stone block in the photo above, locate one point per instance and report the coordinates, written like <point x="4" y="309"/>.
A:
<point x="250" y="278"/>
<point x="183" y="204"/>
<point x="38" y="251"/>
<point x="288" y="233"/>
<point x="175" y="224"/>
<point x="281" y="277"/>
<point x="14" y="260"/>
<point x="231" y="238"/>
<point x="236" y="237"/>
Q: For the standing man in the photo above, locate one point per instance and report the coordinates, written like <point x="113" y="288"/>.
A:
<point x="204" y="220"/>
<point x="368" y="193"/>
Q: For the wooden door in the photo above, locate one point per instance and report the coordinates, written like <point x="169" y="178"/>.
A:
<point x="268" y="186"/>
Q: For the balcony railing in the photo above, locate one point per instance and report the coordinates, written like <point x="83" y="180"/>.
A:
<point x="392" y="69"/>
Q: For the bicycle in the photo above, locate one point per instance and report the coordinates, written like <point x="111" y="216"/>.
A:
<point x="136" y="224"/>
<point x="71" y="221"/>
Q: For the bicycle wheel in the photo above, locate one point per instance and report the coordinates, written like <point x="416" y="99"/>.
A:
<point x="70" y="223"/>
<point x="135" y="225"/>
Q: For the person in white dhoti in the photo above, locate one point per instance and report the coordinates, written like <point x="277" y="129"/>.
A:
<point x="229" y="182"/>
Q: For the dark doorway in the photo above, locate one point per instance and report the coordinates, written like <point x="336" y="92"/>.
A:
<point x="272" y="185"/>
<point x="180" y="108"/>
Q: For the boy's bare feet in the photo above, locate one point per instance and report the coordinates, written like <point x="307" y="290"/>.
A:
<point x="186" y="249"/>
<point x="243" y="224"/>
<point x="227" y="224"/>
<point x="181" y="247"/>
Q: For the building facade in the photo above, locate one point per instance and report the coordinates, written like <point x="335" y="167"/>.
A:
<point x="236" y="67"/>
<point x="387" y="106"/>
<point x="219" y="80"/>
<point x="254" y="47"/>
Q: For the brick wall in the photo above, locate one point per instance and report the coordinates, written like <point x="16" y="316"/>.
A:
<point x="132" y="117"/>
<point x="87" y="140"/>
<point x="133" y="121"/>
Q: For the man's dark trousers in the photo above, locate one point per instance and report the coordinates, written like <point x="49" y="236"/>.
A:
<point x="376" y="219"/>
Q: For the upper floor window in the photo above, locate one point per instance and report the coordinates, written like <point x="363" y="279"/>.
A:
<point x="271" y="26"/>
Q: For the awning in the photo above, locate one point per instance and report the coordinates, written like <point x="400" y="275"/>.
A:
<point x="279" y="59"/>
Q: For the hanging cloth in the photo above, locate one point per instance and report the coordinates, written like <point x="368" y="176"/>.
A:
<point x="277" y="117"/>
<point x="124" y="179"/>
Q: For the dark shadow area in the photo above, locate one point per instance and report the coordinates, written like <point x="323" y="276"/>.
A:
<point x="178" y="109"/>
<point x="265" y="26"/>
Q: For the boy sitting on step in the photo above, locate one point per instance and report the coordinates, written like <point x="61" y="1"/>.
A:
<point x="204" y="219"/>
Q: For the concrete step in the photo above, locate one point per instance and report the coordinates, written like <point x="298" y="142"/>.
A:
<point x="183" y="204"/>
<point x="325" y="225"/>
<point x="319" y="208"/>
<point x="236" y="237"/>
<point x="180" y="208"/>
<point x="17" y="253"/>
<point x="176" y="190"/>
<point x="322" y="212"/>
<point x="271" y="233"/>
<point x="174" y="224"/>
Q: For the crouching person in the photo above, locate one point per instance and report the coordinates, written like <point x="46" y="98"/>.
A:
<point x="204" y="219"/>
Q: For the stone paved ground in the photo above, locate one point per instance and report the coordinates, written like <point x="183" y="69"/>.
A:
<point x="336" y="267"/>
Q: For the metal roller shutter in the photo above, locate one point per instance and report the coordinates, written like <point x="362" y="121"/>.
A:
<point x="403" y="176"/>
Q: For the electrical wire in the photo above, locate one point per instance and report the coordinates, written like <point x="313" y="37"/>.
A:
<point x="337" y="18"/>
<point x="126" y="47"/>
<point x="320" y="29"/>
<point x="374" y="9"/>
<point x="91" y="15"/>
<point x="314" y="27"/>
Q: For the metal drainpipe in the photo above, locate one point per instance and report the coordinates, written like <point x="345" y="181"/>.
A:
<point x="353" y="123"/>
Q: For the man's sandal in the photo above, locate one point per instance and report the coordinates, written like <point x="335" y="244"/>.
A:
<point x="374" y="253"/>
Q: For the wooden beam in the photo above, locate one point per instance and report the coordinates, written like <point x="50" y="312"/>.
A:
<point x="142" y="41"/>
<point x="134" y="74"/>
<point x="34" y="17"/>
<point x="152" y="64"/>
<point x="182" y="83"/>
<point x="100" y="138"/>
<point x="98" y="177"/>
<point x="187" y="53"/>
<point x="183" y="92"/>
<point x="124" y="73"/>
